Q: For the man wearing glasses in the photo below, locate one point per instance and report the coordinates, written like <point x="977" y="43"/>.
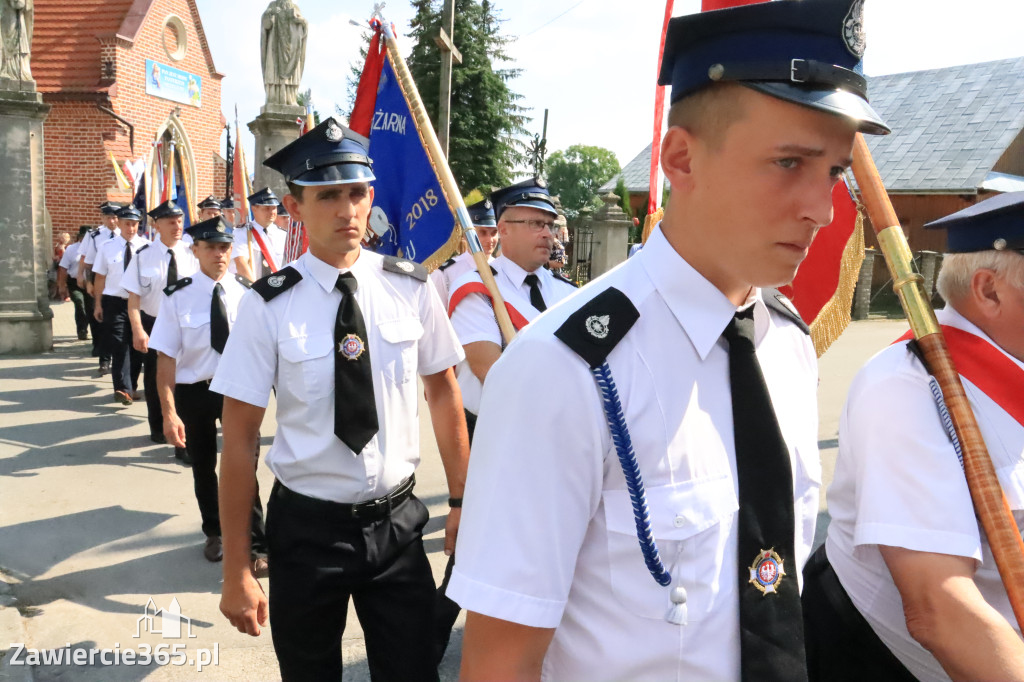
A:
<point x="526" y="223"/>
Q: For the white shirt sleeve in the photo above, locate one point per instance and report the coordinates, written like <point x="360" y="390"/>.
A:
<point x="100" y="265"/>
<point x="69" y="256"/>
<point x="248" y="367"/>
<point x="439" y="347"/>
<point x="911" y="491"/>
<point x="89" y="249"/>
<point x="240" y="247"/>
<point x="473" y="320"/>
<point x="130" y="279"/>
<point x="535" y="480"/>
<point x="166" y="335"/>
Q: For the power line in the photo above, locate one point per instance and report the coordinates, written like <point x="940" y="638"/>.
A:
<point x="554" y="19"/>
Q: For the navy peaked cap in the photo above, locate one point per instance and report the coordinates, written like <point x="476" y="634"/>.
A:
<point x="212" y="230"/>
<point x="803" y="51"/>
<point x="264" y="197"/>
<point x="167" y="209"/>
<point x="482" y="214"/>
<point x="996" y="223"/>
<point x="109" y="208"/>
<point x="210" y="202"/>
<point x="532" y="192"/>
<point x="329" y="154"/>
<point x="129" y="212"/>
<point x="281" y="210"/>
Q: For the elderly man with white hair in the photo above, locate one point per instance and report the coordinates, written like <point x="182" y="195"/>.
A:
<point x="906" y="586"/>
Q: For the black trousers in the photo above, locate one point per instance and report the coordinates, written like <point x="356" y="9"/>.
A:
<point x="319" y="558"/>
<point x="153" y="412"/>
<point x="840" y="644"/>
<point x="96" y="329"/>
<point x="447" y="611"/>
<point x="78" y="299"/>
<point x="126" y="361"/>
<point x="199" y="409"/>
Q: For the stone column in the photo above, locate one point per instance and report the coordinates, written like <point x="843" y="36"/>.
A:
<point x="930" y="261"/>
<point x="273" y="128"/>
<point x="611" y="236"/>
<point x="862" y="294"/>
<point x="25" y="240"/>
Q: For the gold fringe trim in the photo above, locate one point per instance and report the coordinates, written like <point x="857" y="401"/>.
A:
<point x="834" y="316"/>
<point x="649" y="223"/>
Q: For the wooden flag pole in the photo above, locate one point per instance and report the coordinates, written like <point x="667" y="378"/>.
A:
<point x="448" y="184"/>
<point x="989" y="501"/>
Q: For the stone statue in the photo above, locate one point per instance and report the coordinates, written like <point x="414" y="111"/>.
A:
<point x="16" y="36"/>
<point x="283" y="51"/>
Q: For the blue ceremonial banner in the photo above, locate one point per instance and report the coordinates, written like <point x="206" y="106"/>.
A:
<point x="411" y="217"/>
<point x="173" y="84"/>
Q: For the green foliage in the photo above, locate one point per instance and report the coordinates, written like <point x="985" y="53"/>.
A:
<point x="623" y="194"/>
<point x="576" y="173"/>
<point x="487" y="119"/>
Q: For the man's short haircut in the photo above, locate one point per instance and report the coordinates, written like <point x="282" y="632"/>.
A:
<point x="295" y="191"/>
<point x="954" y="281"/>
<point x="709" y="112"/>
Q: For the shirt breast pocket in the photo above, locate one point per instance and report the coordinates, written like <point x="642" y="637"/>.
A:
<point x="307" y="365"/>
<point x="398" y="352"/>
<point x="148" y="275"/>
<point x="690" y="522"/>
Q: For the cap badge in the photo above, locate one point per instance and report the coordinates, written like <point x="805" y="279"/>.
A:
<point x="334" y="132"/>
<point x="276" y="281"/>
<point x="853" y="29"/>
<point x="404" y="266"/>
<point x="597" y="326"/>
<point x="766" y="572"/>
<point x="999" y="244"/>
<point x="351" y="347"/>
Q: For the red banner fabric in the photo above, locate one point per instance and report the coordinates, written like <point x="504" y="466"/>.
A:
<point x="366" y="93"/>
<point x="659" y="116"/>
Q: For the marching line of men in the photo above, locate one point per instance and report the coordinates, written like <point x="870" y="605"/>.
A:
<point x="658" y="523"/>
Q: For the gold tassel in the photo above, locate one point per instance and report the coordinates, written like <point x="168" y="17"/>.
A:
<point x="834" y="316"/>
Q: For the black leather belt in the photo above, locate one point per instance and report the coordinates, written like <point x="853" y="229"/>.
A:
<point x="371" y="510"/>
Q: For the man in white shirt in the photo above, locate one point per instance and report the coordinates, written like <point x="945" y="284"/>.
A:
<point x="905" y="586"/>
<point x="154" y="267"/>
<point x="341" y="335"/>
<point x="653" y="525"/>
<point x="67" y="283"/>
<point x="482" y="215"/>
<point x="107" y="230"/>
<point x="259" y="245"/>
<point x="112" y="260"/>
<point x="190" y="334"/>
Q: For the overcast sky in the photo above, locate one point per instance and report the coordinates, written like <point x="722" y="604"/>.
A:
<point x="592" y="63"/>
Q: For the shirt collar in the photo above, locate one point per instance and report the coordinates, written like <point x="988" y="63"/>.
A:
<point x="511" y="269"/>
<point x="201" y="279"/>
<point x="326" y="275"/>
<point x="701" y="309"/>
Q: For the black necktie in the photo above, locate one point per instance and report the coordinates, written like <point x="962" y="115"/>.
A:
<point x="535" y="298"/>
<point x="355" y="410"/>
<point x="218" y="320"/>
<point x="172" y="270"/>
<point x="771" y="623"/>
<point x="127" y="255"/>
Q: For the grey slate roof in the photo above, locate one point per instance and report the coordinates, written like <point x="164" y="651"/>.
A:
<point x="950" y="126"/>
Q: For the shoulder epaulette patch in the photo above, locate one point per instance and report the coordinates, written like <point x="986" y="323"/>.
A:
<point x="596" y="328"/>
<point x="447" y="264"/>
<point x="177" y="286"/>
<point x="562" y="278"/>
<point x="94" y="232"/>
<point x="142" y="248"/>
<point x="244" y="281"/>
<point x="782" y="305"/>
<point x="281" y="281"/>
<point x="404" y="266"/>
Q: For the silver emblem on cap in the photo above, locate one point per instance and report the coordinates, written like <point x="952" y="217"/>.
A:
<point x="404" y="266"/>
<point x="716" y="71"/>
<point x="276" y="281"/>
<point x="999" y="244"/>
<point x="334" y="132"/>
<point x="853" y="29"/>
<point x="597" y="326"/>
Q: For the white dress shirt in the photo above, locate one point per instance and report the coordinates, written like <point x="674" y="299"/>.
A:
<point x="110" y="263"/>
<point x="69" y="261"/>
<point x="473" y="318"/>
<point x="93" y="242"/>
<point x="898" y="483"/>
<point x="548" y="537"/>
<point x="146" y="275"/>
<point x="273" y="236"/>
<point x="182" y="330"/>
<point x="446" y="275"/>
<point x="288" y="343"/>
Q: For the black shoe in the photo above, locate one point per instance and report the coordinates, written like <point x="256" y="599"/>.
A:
<point x="158" y="438"/>
<point x="212" y="549"/>
<point x="83" y="336"/>
<point x="182" y="455"/>
<point x="104" y="367"/>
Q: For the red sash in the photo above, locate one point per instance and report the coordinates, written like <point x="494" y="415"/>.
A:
<point x="263" y="249"/>
<point x="518" y="321"/>
<point x="988" y="368"/>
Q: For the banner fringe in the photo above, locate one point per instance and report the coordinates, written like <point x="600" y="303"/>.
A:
<point x="834" y="316"/>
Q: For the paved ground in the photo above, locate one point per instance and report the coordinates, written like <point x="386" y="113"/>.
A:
<point x="95" y="521"/>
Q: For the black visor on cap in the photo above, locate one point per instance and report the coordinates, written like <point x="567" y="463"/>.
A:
<point x="830" y="101"/>
<point x="532" y="200"/>
<point x="334" y="175"/>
